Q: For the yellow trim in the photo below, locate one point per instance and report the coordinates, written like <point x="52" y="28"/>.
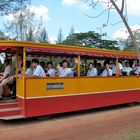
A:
<point x="78" y="65"/>
<point x="45" y="45"/>
<point x="117" y="70"/>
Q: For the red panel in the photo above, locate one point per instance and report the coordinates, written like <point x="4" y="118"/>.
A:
<point x="22" y="105"/>
<point x="53" y="105"/>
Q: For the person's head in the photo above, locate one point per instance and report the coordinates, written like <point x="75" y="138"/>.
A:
<point x="42" y="64"/>
<point x="111" y="61"/>
<point x="49" y="65"/>
<point x="65" y="64"/>
<point x="95" y="62"/>
<point x="127" y="64"/>
<point x="35" y="62"/>
<point x="90" y="66"/>
<point x="107" y="66"/>
<point x="7" y="61"/>
<point x="99" y="65"/>
<point x="28" y="64"/>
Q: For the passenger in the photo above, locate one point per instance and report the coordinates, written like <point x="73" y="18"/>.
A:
<point x="113" y="67"/>
<point x="58" y="69"/>
<point x="29" y="69"/>
<point x="135" y="66"/>
<point x="120" y="68"/>
<point x="107" y="71"/>
<point x="51" y="72"/>
<point x="42" y="64"/>
<point x="127" y="69"/>
<point x="39" y="71"/>
<point x="7" y="76"/>
<point x="99" y="68"/>
<point x="137" y="71"/>
<point x="92" y="70"/>
<point x="64" y="71"/>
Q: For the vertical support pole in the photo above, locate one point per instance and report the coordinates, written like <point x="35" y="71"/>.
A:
<point x="24" y="72"/>
<point x="117" y="65"/>
<point x="85" y="67"/>
<point x="17" y="51"/>
<point x="24" y="62"/>
<point x="78" y="65"/>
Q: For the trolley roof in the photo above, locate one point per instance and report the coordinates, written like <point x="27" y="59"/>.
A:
<point x="65" y="50"/>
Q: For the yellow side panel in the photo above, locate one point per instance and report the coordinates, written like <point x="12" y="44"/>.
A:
<point x="38" y="87"/>
<point x="20" y="87"/>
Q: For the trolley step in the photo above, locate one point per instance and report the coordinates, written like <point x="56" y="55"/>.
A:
<point x="10" y="111"/>
<point x="12" y="117"/>
<point x="8" y="104"/>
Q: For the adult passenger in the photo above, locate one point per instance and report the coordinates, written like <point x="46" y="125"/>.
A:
<point x="127" y="69"/>
<point x="107" y="71"/>
<point x="29" y="69"/>
<point x="7" y="76"/>
<point x="65" y="71"/>
<point x="92" y="70"/>
<point x="51" y="72"/>
<point x="38" y="70"/>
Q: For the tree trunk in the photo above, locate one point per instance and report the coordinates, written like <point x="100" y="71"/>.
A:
<point x="134" y="43"/>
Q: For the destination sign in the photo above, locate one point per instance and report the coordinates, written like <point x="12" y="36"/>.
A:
<point x="52" y="86"/>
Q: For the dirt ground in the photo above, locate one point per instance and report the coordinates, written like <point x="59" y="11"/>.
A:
<point x="111" y="123"/>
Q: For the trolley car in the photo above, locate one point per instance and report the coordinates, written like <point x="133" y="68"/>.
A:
<point x="47" y="96"/>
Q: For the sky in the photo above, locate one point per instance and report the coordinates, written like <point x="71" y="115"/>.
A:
<point x="64" y="14"/>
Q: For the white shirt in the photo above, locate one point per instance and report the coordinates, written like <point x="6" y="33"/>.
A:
<point x="7" y="71"/>
<point x="92" y="72"/>
<point x="66" y="72"/>
<point x="29" y="72"/>
<point x="127" y="70"/>
<point x="51" y="72"/>
<point x="120" y="67"/>
<point x="104" y="73"/>
<point x="39" y="72"/>
<point x="137" y="70"/>
<point x="113" y="67"/>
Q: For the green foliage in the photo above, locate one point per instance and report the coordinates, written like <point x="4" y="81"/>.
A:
<point x="128" y="43"/>
<point x="3" y="36"/>
<point x="12" y="6"/>
<point x="90" y="39"/>
<point x="24" y="26"/>
<point x="71" y="31"/>
<point x="60" y="37"/>
<point x="43" y="36"/>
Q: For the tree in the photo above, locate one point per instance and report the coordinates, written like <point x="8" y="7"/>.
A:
<point x="24" y="26"/>
<point x="111" y="4"/>
<point x="71" y="31"/>
<point x="44" y="36"/>
<point x="90" y="39"/>
<point x="128" y="46"/>
<point x="12" y="6"/>
<point x="60" y="36"/>
<point x="3" y="36"/>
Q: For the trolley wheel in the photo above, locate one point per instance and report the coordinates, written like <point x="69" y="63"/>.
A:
<point x="42" y="118"/>
<point x="132" y="104"/>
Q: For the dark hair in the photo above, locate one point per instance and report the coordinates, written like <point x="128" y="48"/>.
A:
<point x="7" y="61"/>
<point x="65" y="61"/>
<point x="60" y="64"/>
<point x="90" y="64"/>
<point x="35" y="61"/>
<point x="49" y="63"/>
<point x="28" y="64"/>
<point x="42" y="63"/>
